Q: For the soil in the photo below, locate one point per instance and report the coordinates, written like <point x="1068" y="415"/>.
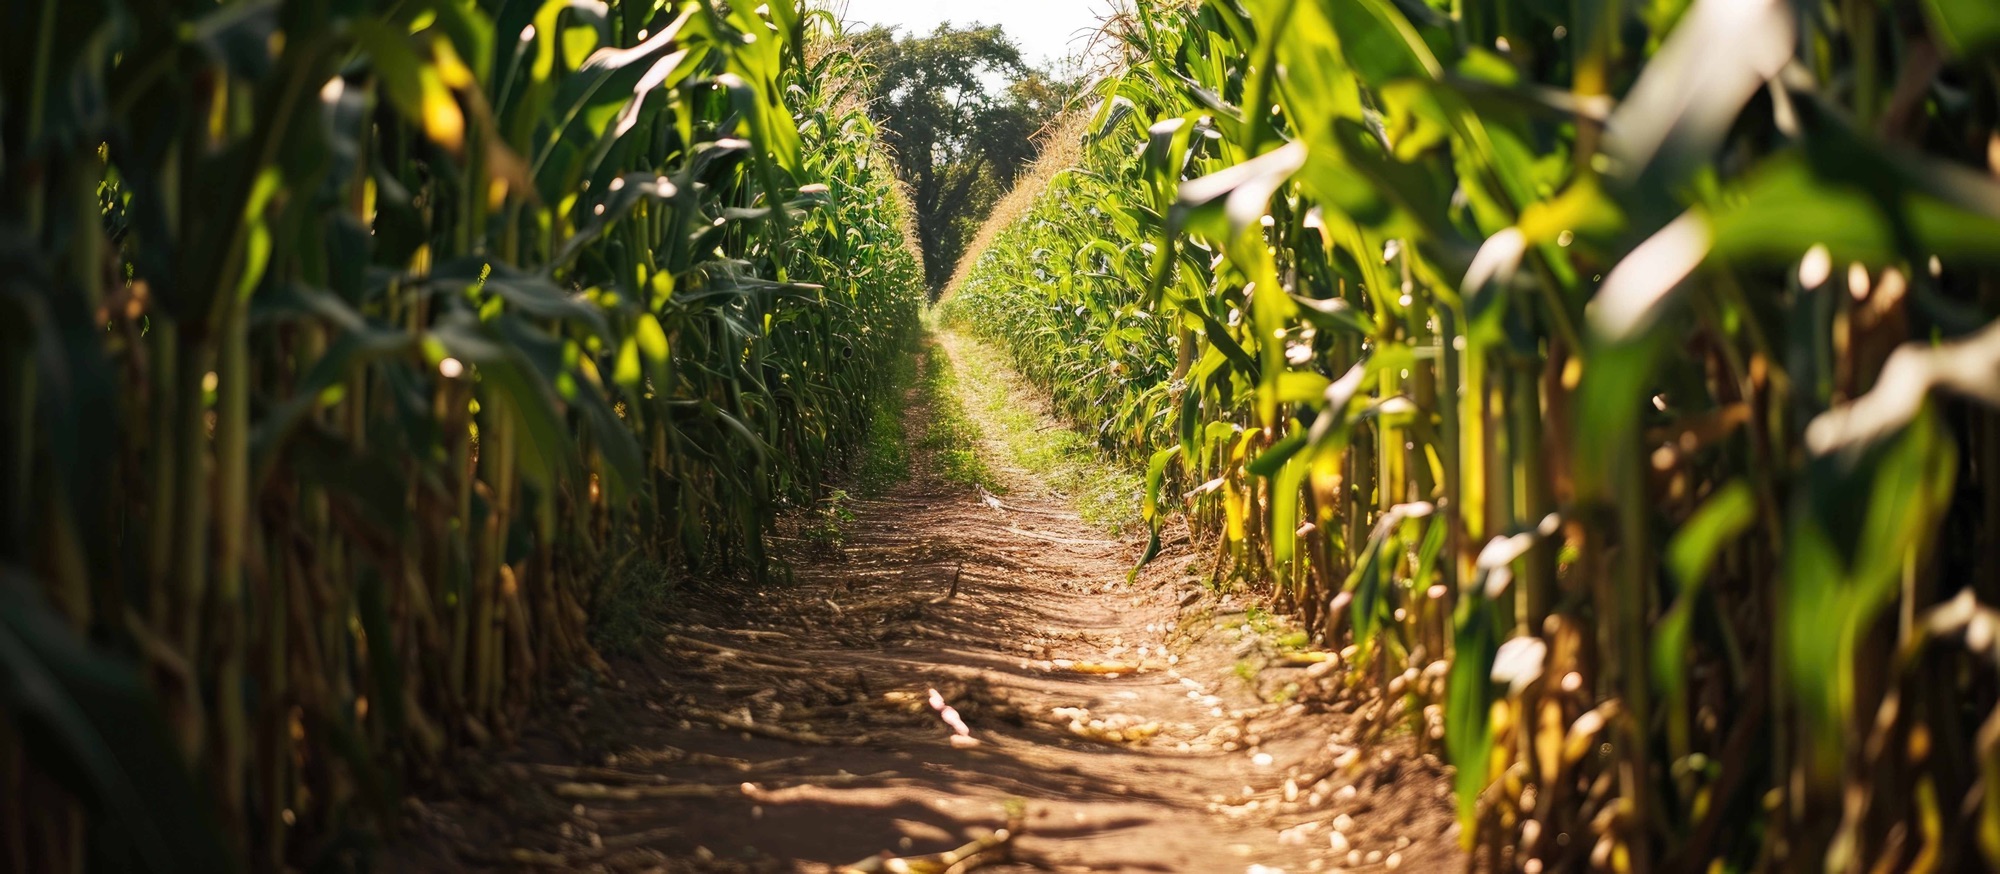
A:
<point x="1147" y="725"/>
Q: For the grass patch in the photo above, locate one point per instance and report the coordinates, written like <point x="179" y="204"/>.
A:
<point x="637" y="601"/>
<point x="1246" y="670"/>
<point x="1107" y="493"/>
<point x="632" y="606"/>
<point x="952" y="436"/>
<point x="826" y="524"/>
<point x="885" y="455"/>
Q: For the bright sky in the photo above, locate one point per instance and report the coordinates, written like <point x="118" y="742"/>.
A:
<point x="1046" y="30"/>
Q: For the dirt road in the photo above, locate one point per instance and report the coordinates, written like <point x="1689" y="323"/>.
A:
<point x="1107" y="726"/>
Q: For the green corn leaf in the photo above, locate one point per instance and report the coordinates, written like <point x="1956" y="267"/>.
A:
<point x="88" y="718"/>
<point x="1969" y="27"/>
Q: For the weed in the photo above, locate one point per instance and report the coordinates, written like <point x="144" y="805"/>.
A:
<point x="1246" y="670"/>
<point x="1105" y="492"/>
<point x="826" y="527"/>
<point x="885" y="453"/>
<point x="631" y="606"/>
<point x="952" y="437"/>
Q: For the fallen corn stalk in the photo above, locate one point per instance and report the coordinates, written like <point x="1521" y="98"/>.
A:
<point x="527" y="858"/>
<point x="603" y="792"/>
<point x="730" y="652"/>
<point x="995" y="847"/>
<point x="1109" y="669"/>
<point x="797" y="736"/>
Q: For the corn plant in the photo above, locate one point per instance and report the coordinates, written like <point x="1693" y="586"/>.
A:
<point x="1611" y="382"/>
<point x="350" y="349"/>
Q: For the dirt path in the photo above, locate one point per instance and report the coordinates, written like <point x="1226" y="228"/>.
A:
<point x="1112" y="727"/>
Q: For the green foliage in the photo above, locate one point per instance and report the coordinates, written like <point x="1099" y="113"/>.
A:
<point x="1246" y="670"/>
<point x="1067" y="462"/>
<point x="885" y="457"/>
<point x="345" y="346"/>
<point x="1609" y="359"/>
<point x="826" y="524"/>
<point x="632" y="606"/>
<point x="959" y="142"/>
<point x="951" y="436"/>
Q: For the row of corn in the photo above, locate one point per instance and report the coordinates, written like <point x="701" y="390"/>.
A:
<point x="352" y="352"/>
<point x="1616" y="378"/>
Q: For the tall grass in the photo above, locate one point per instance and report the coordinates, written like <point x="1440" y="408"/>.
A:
<point x="345" y="348"/>
<point x="1613" y="377"/>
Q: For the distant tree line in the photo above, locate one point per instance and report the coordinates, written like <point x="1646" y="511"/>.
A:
<point x="960" y="109"/>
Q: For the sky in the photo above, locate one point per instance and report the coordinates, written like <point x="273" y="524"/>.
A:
<point x="1046" y="30"/>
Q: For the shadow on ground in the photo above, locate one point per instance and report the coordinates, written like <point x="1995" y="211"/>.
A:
<point x="790" y="729"/>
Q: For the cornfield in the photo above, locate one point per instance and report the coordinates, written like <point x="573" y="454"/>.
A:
<point x="351" y="354"/>
<point x="1611" y="383"/>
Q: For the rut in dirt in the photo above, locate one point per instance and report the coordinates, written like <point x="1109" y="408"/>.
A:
<point x="961" y="672"/>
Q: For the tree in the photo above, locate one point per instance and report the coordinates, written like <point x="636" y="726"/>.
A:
<point x="960" y="110"/>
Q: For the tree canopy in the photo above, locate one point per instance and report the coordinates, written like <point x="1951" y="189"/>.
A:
<point x="960" y="109"/>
